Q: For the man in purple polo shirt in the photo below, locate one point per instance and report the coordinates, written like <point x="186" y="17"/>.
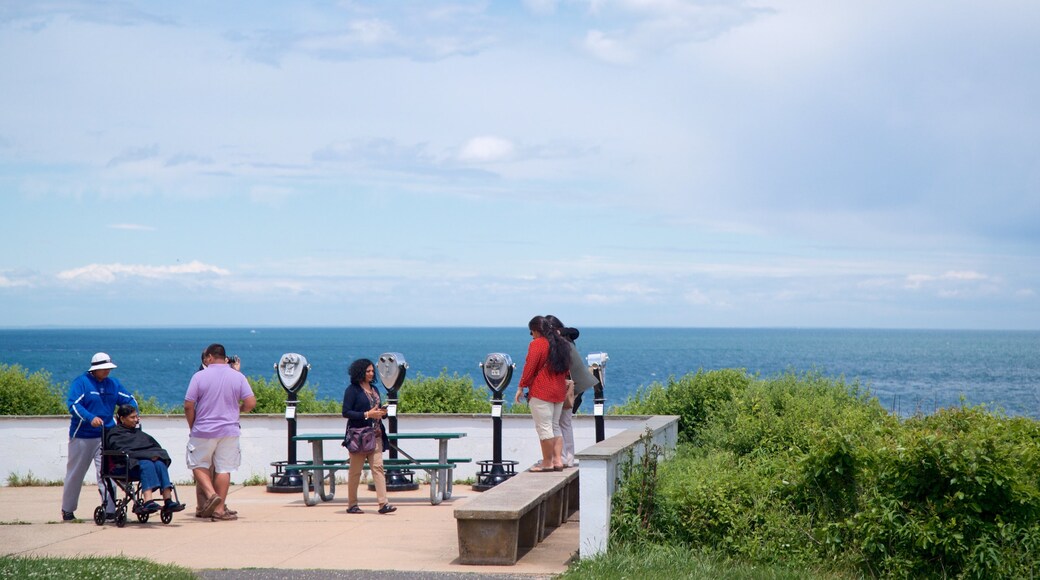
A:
<point x="216" y="397"/>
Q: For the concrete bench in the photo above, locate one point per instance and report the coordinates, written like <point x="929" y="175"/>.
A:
<point x="497" y="526"/>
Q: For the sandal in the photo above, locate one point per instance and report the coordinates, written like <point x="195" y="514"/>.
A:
<point x="223" y="517"/>
<point x="210" y="507"/>
<point x="540" y="469"/>
<point x="354" y="509"/>
<point x="387" y="508"/>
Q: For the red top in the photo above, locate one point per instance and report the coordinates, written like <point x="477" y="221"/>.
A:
<point x="545" y="384"/>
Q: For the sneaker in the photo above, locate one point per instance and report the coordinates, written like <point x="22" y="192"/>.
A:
<point x="223" y="517"/>
<point x="67" y="516"/>
<point x="174" y="506"/>
<point x="151" y="507"/>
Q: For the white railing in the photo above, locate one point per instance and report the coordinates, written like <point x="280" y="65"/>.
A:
<point x="599" y="475"/>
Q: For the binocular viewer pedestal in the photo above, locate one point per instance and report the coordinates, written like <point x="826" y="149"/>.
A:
<point x="498" y="371"/>
<point x="292" y="374"/>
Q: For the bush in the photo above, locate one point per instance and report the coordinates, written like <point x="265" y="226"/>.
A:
<point x="442" y="394"/>
<point x="22" y="393"/>
<point x="271" y="398"/>
<point x="810" y="471"/>
<point x="694" y="397"/>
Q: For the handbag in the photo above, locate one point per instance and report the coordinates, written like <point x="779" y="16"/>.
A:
<point x="568" y="399"/>
<point x="360" y="439"/>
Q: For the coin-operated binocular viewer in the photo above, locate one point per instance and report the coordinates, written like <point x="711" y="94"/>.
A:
<point x="498" y="371"/>
<point x="391" y="369"/>
<point x="292" y="374"/>
<point x="597" y="362"/>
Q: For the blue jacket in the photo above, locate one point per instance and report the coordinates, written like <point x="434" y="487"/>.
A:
<point x="89" y="398"/>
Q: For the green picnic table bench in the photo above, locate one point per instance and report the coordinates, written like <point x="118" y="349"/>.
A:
<point x="320" y="471"/>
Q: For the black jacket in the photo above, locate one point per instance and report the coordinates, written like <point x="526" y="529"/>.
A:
<point x="137" y="443"/>
<point x="355" y="404"/>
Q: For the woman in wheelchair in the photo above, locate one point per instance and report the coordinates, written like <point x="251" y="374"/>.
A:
<point x="146" y="456"/>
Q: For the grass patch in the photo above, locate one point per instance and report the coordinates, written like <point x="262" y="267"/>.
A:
<point x="255" y="480"/>
<point x="89" y="568"/>
<point x="671" y="562"/>
<point x="15" y="479"/>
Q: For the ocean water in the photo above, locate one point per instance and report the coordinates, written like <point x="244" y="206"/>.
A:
<point x="908" y="370"/>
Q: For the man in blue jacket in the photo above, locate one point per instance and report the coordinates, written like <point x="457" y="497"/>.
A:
<point x="93" y="398"/>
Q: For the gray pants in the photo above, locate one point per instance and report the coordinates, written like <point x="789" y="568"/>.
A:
<point x="81" y="453"/>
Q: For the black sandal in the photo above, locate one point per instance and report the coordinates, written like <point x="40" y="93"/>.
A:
<point x="354" y="509"/>
<point x="387" y="508"/>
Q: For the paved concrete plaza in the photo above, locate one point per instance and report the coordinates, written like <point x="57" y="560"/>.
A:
<point x="274" y="531"/>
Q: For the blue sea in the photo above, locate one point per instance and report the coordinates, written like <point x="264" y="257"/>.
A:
<point x="908" y="370"/>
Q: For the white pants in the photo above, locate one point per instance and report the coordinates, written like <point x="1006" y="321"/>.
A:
<point x="567" y="426"/>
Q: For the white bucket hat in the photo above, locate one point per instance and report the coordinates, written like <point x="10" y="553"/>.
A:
<point x="101" y="361"/>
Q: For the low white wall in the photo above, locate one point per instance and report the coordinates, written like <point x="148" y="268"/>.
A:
<point x="599" y="475"/>
<point x="40" y="444"/>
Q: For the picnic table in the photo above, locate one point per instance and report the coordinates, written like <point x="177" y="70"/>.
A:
<point x="319" y="469"/>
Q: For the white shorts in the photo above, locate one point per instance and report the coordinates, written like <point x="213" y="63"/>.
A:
<point x="221" y="453"/>
<point x="546" y="417"/>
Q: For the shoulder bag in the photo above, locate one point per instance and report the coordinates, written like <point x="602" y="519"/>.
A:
<point x="360" y="439"/>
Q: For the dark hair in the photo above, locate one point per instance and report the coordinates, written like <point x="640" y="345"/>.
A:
<point x="216" y="351"/>
<point x="357" y="370"/>
<point x="565" y="331"/>
<point x="125" y="410"/>
<point x="559" y="355"/>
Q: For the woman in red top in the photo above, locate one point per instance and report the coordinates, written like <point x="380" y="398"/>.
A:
<point x="545" y="375"/>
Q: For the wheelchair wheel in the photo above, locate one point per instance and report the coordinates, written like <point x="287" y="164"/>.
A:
<point x="121" y="517"/>
<point x="142" y="517"/>
<point x="166" y="516"/>
<point x="99" y="515"/>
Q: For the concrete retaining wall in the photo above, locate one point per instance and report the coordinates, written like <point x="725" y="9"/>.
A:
<point x="40" y="444"/>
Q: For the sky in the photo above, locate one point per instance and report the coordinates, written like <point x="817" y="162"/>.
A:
<point x="805" y="163"/>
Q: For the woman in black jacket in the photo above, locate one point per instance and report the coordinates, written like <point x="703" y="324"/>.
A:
<point x="362" y="408"/>
<point x="146" y="455"/>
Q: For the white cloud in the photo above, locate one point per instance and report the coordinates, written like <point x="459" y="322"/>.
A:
<point x="486" y="150"/>
<point x="541" y="7"/>
<point x="132" y="227"/>
<point x="607" y="49"/>
<point x="6" y="282"/>
<point x="915" y="281"/>
<point x="110" y="273"/>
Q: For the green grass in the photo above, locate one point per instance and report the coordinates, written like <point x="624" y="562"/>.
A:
<point x="15" y="479"/>
<point x="89" y="568"/>
<point x="670" y="562"/>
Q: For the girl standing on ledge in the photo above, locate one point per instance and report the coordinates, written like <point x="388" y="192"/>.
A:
<point x="545" y="377"/>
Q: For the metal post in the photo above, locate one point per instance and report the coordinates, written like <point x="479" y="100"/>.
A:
<point x="292" y="374"/>
<point x="498" y="370"/>
<point x="598" y="365"/>
<point x="392" y="368"/>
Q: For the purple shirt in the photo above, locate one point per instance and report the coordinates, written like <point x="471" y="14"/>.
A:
<point x="217" y="392"/>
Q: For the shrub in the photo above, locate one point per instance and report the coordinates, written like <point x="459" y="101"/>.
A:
<point x="694" y="397"/>
<point x="811" y="471"/>
<point x="442" y="394"/>
<point x="22" y="393"/>
<point x="271" y="398"/>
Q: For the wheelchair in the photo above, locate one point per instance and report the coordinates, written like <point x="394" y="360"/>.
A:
<point x="116" y="478"/>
